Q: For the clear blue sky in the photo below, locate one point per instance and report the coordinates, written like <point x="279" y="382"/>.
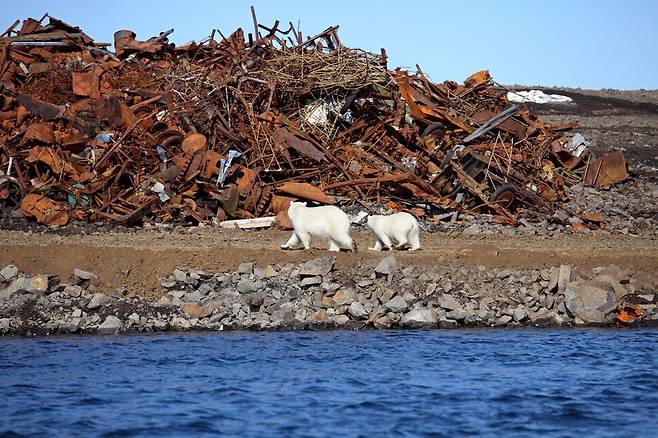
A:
<point x="576" y="43"/>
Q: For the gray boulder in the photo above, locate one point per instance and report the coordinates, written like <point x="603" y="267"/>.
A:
<point x="589" y="303"/>
<point x="246" y="268"/>
<point x="449" y="302"/>
<point x="180" y="276"/>
<point x="73" y="291"/>
<point x="520" y="313"/>
<point x="311" y="281"/>
<point x="419" y="316"/>
<point x="317" y="267"/>
<point x="387" y="266"/>
<point x="98" y="300"/>
<point x="83" y="275"/>
<point x="397" y="304"/>
<point x="110" y="326"/>
<point x="246" y="286"/>
<point x="9" y="272"/>
<point x="357" y="310"/>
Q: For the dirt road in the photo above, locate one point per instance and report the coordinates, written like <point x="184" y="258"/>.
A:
<point x="138" y="260"/>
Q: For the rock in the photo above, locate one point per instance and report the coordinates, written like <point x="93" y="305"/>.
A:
<point x="204" y="289"/>
<point x="259" y="273"/>
<point x="345" y="296"/>
<point x="458" y="314"/>
<point x="180" y="276"/>
<point x="505" y="319"/>
<point x="357" y="310"/>
<point x="246" y="286"/>
<point x="382" y="323"/>
<point x="328" y="302"/>
<point x="38" y="283"/>
<point x="168" y="283"/>
<point x="246" y="268"/>
<point x="553" y="280"/>
<point x="73" y="291"/>
<point x="317" y="267"/>
<point x="134" y="318"/>
<point x="5" y="324"/>
<point x="564" y="277"/>
<point x="545" y="318"/>
<point x="83" y="275"/>
<point x="192" y="297"/>
<point x="386" y="267"/>
<point x="98" y="300"/>
<point x="419" y="317"/>
<point x="77" y="313"/>
<point x="501" y="275"/>
<point x="72" y="325"/>
<point x="341" y="319"/>
<point x="449" y="302"/>
<point x="319" y="316"/>
<point x="589" y="303"/>
<point x="110" y="326"/>
<point x="397" y="304"/>
<point x="311" y="281"/>
<point x="520" y="313"/>
<point x="23" y="284"/>
<point x="270" y="272"/>
<point x="445" y="323"/>
<point x="179" y="323"/>
<point x="194" y="310"/>
<point x="9" y="272"/>
<point x="409" y="297"/>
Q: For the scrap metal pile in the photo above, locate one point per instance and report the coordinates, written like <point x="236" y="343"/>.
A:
<point x="235" y="127"/>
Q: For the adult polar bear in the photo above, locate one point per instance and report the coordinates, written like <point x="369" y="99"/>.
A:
<point x="401" y="227"/>
<point x="327" y="222"/>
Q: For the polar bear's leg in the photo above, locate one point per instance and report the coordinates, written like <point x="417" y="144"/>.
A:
<point x="378" y="245"/>
<point x="305" y="239"/>
<point x="333" y="245"/>
<point x="292" y="243"/>
<point x="346" y="242"/>
<point x="414" y="238"/>
<point x="401" y="238"/>
<point x="386" y="241"/>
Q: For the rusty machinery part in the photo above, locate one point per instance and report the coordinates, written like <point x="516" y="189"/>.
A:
<point x="505" y="195"/>
<point x="310" y="118"/>
<point x="12" y="192"/>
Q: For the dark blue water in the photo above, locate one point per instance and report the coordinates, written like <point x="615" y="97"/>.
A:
<point x="500" y="382"/>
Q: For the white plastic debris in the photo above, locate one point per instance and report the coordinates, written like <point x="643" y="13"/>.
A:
<point x="245" y="224"/>
<point x="159" y="189"/>
<point x="536" y="96"/>
<point x="317" y="112"/>
<point x="577" y="145"/>
<point x="224" y="165"/>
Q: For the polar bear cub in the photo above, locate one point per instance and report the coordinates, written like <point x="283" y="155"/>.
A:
<point x="327" y="222"/>
<point x="401" y="227"/>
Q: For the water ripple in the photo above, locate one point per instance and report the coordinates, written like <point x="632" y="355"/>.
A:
<point x="403" y="383"/>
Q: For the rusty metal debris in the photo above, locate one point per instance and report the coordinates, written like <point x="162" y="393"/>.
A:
<point x="235" y="126"/>
<point x="628" y="313"/>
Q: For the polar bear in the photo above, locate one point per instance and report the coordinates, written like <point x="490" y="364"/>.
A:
<point x="401" y="227"/>
<point x="326" y="222"/>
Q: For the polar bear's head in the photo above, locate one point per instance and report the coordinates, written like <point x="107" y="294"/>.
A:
<point x="294" y="207"/>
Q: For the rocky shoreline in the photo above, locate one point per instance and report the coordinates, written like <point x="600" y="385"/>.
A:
<point x="316" y="295"/>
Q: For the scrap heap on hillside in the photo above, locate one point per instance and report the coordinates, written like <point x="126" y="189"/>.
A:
<point x="235" y="127"/>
